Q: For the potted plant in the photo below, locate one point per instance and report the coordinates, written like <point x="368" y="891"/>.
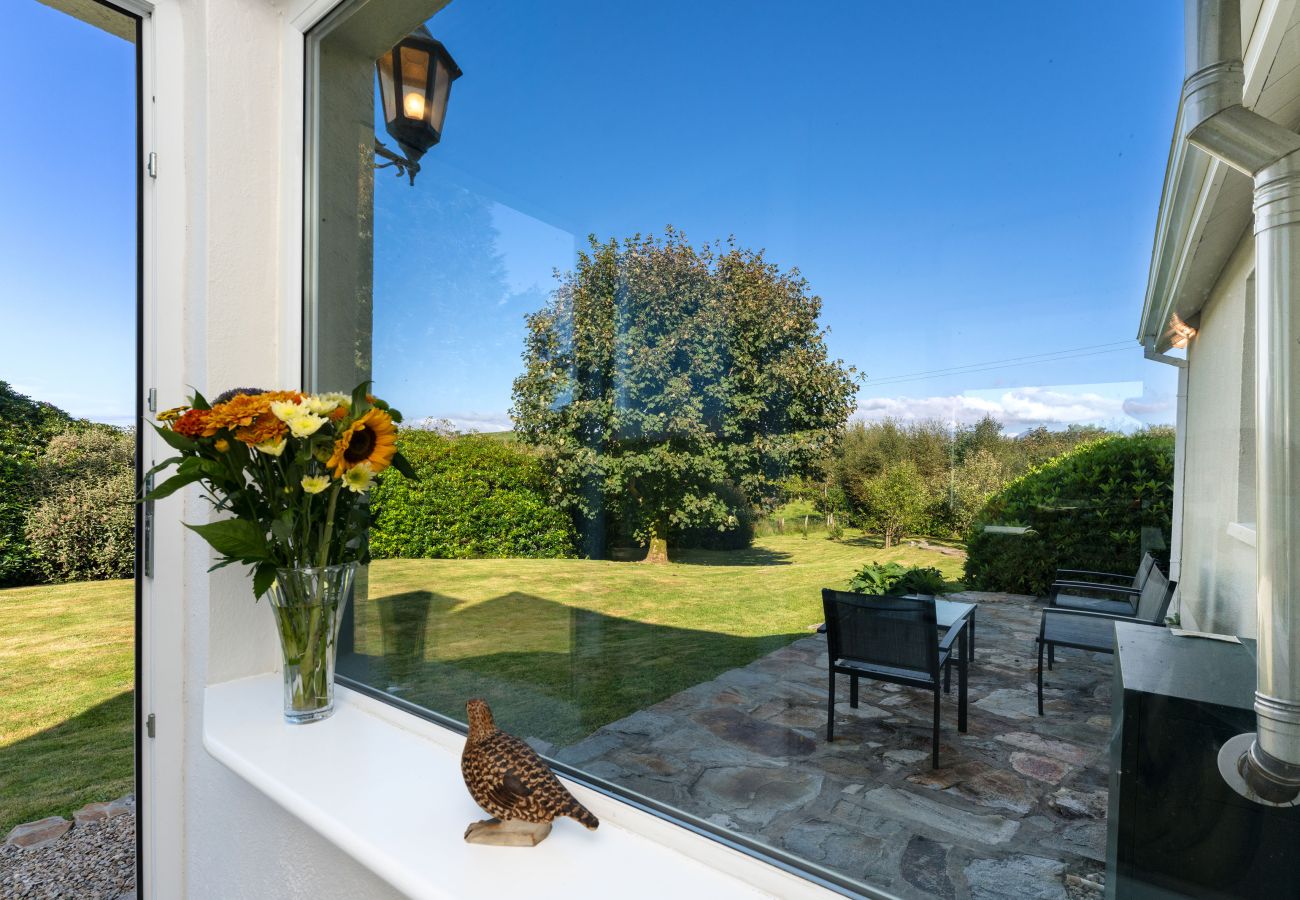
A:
<point x="288" y="473"/>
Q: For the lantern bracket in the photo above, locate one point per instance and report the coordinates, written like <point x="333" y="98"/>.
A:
<point x="404" y="166"/>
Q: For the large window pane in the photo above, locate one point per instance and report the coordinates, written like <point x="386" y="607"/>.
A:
<point x="696" y="312"/>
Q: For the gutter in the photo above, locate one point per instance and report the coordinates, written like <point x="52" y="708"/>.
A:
<point x="1263" y="766"/>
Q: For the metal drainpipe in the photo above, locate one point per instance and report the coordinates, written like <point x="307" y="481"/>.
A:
<point x="1264" y="766"/>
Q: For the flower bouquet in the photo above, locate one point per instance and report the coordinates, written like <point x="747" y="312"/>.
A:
<point x="291" y="471"/>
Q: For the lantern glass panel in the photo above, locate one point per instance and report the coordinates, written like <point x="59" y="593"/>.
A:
<point x="387" y="92"/>
<point x="415" y="79"/>
<point x="441" y="89"/>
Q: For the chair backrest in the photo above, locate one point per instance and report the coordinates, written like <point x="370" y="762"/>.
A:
<point x="1144" y="571"/>
<point x="899" y="632"/>
<point x="1153" y="603"/>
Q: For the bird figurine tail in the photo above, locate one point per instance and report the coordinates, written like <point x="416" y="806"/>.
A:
<point x="583" y="815"/>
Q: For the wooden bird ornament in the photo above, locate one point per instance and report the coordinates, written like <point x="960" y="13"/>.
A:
<point x="513" y="785"/>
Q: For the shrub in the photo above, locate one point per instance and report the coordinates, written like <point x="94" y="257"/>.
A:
<point x="737" y="533"/>
<point x="25" y="427"/>
<point x="475" y="497"/>
<point x="1087" y="509"/>
<point x="85" y="529"/>
<point x="895" y="579"/>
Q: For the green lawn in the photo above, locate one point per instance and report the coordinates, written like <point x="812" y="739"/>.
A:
<point x="562" y="647"/>
<point x="559" y="647"/>
<point x="66" y="705"/>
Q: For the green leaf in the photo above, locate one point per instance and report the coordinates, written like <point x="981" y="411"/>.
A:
<point x="171" y="460"/>
<point x="263" y="578"/>
<point x="178" y="441"/>
<point x="236" y="538"/>
<point x="173" y="484"/>
<point x="401" y="464"/>
<point x="359" y="402"/>
<point x="198" y="401"/>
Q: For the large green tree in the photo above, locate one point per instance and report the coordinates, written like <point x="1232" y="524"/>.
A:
<point x="661" y="377"/>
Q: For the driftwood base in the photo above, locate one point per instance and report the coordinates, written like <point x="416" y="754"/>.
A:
<point x="510" y="833"/>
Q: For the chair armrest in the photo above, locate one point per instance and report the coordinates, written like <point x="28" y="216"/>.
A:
<point x="950" y="637"/>
<point x="1088" y="614"/>
<point x="1086" y="588"/>
<point x="1089" y="575"/>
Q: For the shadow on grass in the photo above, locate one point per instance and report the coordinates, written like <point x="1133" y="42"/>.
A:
<point x="83" y="759"/>
<point x="549" y="670"/>
<point x="750" y="556"/>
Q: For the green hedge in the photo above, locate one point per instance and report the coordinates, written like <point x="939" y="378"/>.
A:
<point x="1087" y="509"/>
<point x="476" y="497"/>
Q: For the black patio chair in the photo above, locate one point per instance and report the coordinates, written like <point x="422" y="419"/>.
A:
<point x="1105" y="592"/>
<point x="890" y="639"/>
<point x="1095" y="631"/>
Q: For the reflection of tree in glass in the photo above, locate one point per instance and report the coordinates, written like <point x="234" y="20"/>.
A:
<point x="659" y="372"/>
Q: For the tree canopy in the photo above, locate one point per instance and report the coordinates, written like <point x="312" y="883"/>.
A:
<point x="661" y="378"/>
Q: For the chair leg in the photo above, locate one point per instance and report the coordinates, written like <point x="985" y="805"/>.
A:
<point x="934" y="738"/>
<point x="962" y="666"/>
<point x="830" y="711"/>
<point x="853" y="691"/>
<point x="1051" y="656"/>
<point x="947" y="676"/>
<point x="1041" y="643"/>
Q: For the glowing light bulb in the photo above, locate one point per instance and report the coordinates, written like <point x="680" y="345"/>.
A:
<point x="413" y="105"/>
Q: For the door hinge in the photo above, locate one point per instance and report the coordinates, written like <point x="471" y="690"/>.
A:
<point x="153" y="400"/>
<point x="151" y="165"/>
<point x="148" y="725"/>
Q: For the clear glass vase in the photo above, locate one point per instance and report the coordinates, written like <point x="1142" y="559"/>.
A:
<point x="308" y="603"/>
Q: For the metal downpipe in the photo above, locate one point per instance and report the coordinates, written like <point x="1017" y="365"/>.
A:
<point x="1264" y="766"/>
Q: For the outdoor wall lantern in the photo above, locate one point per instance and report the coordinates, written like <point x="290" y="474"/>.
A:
<point x="414" y="82"/>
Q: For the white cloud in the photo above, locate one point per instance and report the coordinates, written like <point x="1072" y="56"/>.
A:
<point x="1019" y="409"/>
<point x="465" y="422"/>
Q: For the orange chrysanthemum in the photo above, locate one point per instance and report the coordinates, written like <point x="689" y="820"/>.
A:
<point x="372" y="438"/>
<point x="241" y="410"/>
<point x="264" y="429"/>
<point x="192" y="423"/>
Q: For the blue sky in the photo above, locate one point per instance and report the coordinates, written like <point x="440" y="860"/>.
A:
<point x="67" y="213"/>
<point x="964" y="184"/>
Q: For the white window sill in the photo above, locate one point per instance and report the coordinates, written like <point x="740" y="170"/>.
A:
<point x="385" y="787"/>
<point x="1242" y="532"/>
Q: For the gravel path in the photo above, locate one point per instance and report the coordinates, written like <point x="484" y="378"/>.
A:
<point x="90" y="862"/>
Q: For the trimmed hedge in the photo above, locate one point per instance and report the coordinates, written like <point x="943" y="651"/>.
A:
<point x="1087" y="510"/>
<point x="476" y="497"/>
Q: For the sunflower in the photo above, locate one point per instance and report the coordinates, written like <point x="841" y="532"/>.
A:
<point x="372" y="439"/>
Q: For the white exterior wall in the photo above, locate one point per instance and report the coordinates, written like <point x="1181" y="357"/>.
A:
<point x="1217" y="585"/>
<point x="222" y="300"/>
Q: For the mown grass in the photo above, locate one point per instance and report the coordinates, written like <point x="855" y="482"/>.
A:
<point x="562" y="647"/>
<point x="66" y="708"/>
<point x="559" y="647"/>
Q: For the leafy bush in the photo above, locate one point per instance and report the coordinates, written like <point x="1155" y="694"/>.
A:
<point x="85" y="529"/>
<point x="475" y="497"/>
<point x="1087" y="509"/>
<point x="895" y="579"/>
<point x="736" y="533"/>
<point x="82" y="526"/>
<point x="25" y="427"/>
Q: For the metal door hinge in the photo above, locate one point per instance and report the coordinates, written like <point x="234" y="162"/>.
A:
<point x="148" y="725"/>
<point x="153" y="400"/>
<point x="151" y="165"/>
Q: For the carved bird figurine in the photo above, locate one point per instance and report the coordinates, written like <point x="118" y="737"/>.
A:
<point x="513" y="785"/>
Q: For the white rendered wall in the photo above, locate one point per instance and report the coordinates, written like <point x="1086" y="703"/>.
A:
<point x="222" y="313"/>
<point x="1218" y="570"/>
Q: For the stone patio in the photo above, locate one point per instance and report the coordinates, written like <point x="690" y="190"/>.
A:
<point x="1017" y="809"/>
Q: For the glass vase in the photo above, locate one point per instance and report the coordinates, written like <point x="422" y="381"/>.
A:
<point x="308" y="604"/>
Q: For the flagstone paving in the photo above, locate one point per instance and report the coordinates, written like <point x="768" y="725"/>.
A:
<point x="1017" y="808"/>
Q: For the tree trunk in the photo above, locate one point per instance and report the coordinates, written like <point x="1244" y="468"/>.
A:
<point x="889" y="538"/>
<point x="658" y="552"/>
